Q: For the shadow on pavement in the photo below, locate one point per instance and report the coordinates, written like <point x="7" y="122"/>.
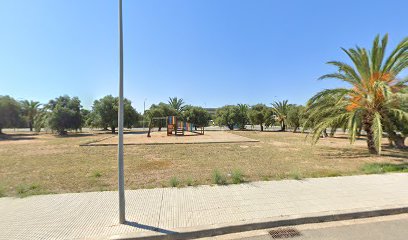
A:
<point x="150" y="228"/>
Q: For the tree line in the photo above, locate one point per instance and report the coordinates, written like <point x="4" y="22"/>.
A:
<point x="65" y="113"/>
<point x="280" y="113"/>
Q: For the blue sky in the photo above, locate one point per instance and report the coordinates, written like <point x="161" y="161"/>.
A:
<point x="208" y="52"/>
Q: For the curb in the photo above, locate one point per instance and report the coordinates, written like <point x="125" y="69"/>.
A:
<point x="213" y="230"/>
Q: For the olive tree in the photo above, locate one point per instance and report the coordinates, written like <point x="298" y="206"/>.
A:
<point x="105" y="113"/>
<point x="226" y="116"/>
<point x="9" y="112"/>
<point x="258" y="115"/>
<point x="196" y="115"/>
<point x="64" y="113"/>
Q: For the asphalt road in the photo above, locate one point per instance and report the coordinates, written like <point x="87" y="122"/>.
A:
<point x="379" y="228"/>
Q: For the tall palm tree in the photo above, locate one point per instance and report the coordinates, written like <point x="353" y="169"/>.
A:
<point x="177" y="104"/>
<point x="242" y="115"/>
<point x="280" y="110"/>
<point x="30" y="109"/>
<point x="374" y="97"/>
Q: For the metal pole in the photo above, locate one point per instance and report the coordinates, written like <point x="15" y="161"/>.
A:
<point x="121" y="178"/>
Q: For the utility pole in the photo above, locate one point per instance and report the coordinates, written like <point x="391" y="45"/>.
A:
<point x="121" y="177"/>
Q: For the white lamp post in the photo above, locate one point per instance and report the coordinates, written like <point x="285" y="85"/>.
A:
<point x="121" y="177"/>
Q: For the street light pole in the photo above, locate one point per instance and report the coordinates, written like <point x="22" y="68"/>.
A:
<point x="121" y="177"/>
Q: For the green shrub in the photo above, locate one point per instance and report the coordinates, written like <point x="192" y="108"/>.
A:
<point x="174" y="182"/>
<point x="219" y="178"/>
<point x="237" y="176"/>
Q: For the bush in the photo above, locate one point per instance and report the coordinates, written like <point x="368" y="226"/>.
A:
<point x="219" y="178"/>
<point x="237" y="176"/>
<point x="174" y="182"/>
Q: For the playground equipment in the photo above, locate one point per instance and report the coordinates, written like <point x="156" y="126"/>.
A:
<point x="175" y="125"/>
<point x="179" y="127"/>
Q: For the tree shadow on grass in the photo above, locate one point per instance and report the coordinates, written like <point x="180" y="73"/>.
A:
<point x="335" y="153"/>
<point x="395" y="152"/>
<point x="150" y="228"/>
<point x="16" y="137"/>
<point x="358" y="138"/>
<point x="75" y="135"/>
<point x="350" y="153"/>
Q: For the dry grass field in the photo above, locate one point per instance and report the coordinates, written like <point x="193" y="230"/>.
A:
<point x="44" y="163"/>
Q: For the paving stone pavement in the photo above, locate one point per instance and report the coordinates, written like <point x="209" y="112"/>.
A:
<point x="94" y="214"/>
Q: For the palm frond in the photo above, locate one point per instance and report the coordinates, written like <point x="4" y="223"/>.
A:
<point x="395" y="54"/>
<point x="320" y="127"/>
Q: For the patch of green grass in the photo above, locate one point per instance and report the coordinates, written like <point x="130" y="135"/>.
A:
<point x="103" y="189"/>
<point x="96" y="174"/>
<point x="375" y="168"/>
<point x="295" y="175"/>
<point x="237" y="176"/>
<point x="2" y="191"/>
<point x="190" y="182"/>
<point x="219" y="178"/>
<point x="324" y="173"/>
<point x="174" y="182"/>
<point x="334" y="174"/>
<point x="25" y="190"/>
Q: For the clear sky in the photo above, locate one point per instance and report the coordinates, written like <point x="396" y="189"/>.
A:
<point x="208" y="52"/>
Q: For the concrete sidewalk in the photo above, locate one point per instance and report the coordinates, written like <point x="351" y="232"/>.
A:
<point x="170" y="210"/>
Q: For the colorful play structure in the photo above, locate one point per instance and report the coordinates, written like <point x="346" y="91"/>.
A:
<point x="174" y="125"/>
<point x="179" y="127"/>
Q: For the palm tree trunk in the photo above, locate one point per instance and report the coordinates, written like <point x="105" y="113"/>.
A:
<point x="368" y="122"/>
<point x="150" y="128"/>
<point x="324" y="133"/>
<point x="30" y="125"/>
<point x="283" y="126"/>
